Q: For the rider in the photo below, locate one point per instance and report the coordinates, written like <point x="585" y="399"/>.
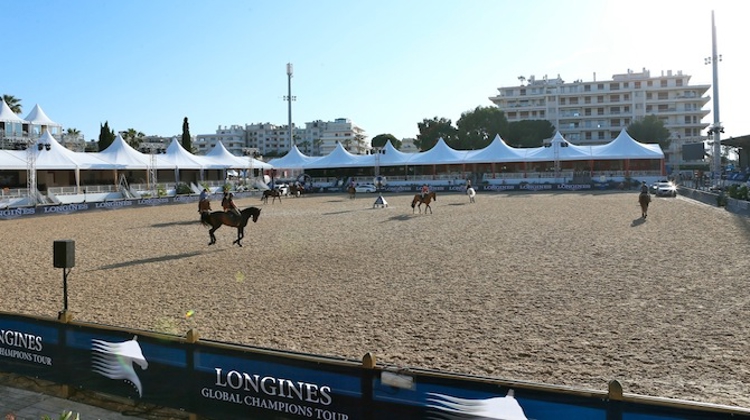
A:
<point x="201" y="198"/>
<point x="468" y="184"/>
<point x="425" y="190"/>
<point x="644" y="188"/>
<point x="231" y="206"/>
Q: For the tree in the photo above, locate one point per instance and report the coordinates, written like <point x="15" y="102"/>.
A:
<point x="381" y="139"/>
<point x="477" y="128"/>
<point x="106" y="136"/>
<point x="528" y="133"/>
<point x="133" y="137"/>
<point x="13" y="103"/>
<point x="650" y="129"/>
<point x="186" y="142"/>
<point x="316" y="146"/>
<point x="430" y="130"/>
<point x="73" y="134"/>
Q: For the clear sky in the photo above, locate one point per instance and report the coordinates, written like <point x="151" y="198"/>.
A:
<point x="385" y="64"/>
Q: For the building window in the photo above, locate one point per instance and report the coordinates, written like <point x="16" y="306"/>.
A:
<point x="650" y="83"/>
<point x="600" y="111"/>
<point x="663" y="96"/>
<point x="587" y="112"/>
<point x="587" y="88"/>
<point x="649" y="96"/>
<point x="600" y="86"/>
<point x="614" y="98"/>
<point x="626" y="97"/>
<point x="562" y="101"/>
<point x="614" y="110"/>
<point x="678" y="82"/>
<point x="600" y="99"/>
<point x="614" y="86"/>
<point x="615" y="122"/>
<point x="663" y="83"/>
<point x="587" y="100"/>
<point x="523" y="92"/>
<point x="637" y="85"/>
<point x="588" y="135"/>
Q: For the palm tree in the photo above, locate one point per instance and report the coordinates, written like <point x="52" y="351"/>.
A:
<point x="13" y="103"/>
<point x="72" y="135"/>
<point x="316" y="146"/>
<point x="133" y="137"/>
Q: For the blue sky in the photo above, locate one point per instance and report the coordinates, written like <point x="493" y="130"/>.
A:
<point x="386" y="65"/>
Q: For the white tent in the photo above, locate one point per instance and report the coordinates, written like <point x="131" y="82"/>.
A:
<point x="339" y="158"/>
<point x="293" y="160"/>
<point x="390" y="156"/>
<point x="51" y="155"/>
<point x="13" y="160"/>
<point x="6" y="115"/>
<point x="38" y="117"/>
<point x="625" y="147"/>
<point x="440" y="154"/>
<point x="182" y="159"/>
<point x="221" y="155"/>
<point x="497" y="151"/>
<point x="558" y="150"/>
<point x="120" y="152"/>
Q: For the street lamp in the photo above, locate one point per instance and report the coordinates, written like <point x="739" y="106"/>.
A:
<point x="716" y="128"/>
<point x="289" y="98"/>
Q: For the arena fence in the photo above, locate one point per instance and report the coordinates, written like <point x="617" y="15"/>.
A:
<point x="218" y="380"/>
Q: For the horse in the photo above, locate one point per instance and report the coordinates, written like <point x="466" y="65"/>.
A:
<point x="643" y="199"/>
<point x="471" y="193"/>
<point x="296" y="190"/>
<point x="204" y="206"/>
<point x="419" y="200"/>
<point x="218" y="218"/>
<point x="270" y="193"/>
<point x="352" y="192"/>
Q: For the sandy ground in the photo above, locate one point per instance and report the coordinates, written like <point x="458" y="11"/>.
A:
<point x="569" y="289"/>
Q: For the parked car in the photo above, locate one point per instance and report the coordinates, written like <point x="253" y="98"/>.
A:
<point x="655" y="185"/>
<point x="283" y="189"/>
<point x="666" y="189"/>
<point x="365" y="188"/>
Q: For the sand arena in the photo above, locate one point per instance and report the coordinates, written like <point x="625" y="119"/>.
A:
<point x="561" y="288"/>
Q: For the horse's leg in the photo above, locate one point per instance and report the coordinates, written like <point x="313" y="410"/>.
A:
<point x="240" y="235"/>
<point x="212" y="236"/>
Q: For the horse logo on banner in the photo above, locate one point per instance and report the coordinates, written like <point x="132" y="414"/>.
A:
<point x="115" y="361"/>
<point x="506" y="408"/>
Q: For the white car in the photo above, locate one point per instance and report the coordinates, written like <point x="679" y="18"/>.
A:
<point x="365" y="188"/>
<point x="665" y="189"/>
<point x="283" y="189"/>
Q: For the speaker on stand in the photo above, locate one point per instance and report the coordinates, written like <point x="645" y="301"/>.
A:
<point x="64" y="256"/>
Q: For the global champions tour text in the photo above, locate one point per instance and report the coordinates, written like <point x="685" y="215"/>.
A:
<point x="298" y="392"/>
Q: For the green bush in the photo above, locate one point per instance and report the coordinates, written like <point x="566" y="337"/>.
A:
<point x="183" y="188"/>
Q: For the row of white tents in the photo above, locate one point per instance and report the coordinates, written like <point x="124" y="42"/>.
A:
<point x="49" y="154"/>
<point x="623" y="147"/>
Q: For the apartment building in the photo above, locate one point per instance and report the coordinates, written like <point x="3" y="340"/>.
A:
<point x="317" y="138"/>
<point x="594" y="112"/>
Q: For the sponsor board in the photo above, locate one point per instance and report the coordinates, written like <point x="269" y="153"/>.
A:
<point x="230" y="381"/>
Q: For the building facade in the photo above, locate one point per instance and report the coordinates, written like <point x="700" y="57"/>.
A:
<point x="594" y="112"/>
<point x="317" y="138"/>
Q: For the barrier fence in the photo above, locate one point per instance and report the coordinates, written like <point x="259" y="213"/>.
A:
<point x="225" y="381"/>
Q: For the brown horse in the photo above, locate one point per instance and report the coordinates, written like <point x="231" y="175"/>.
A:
<point x="419" y="200"/>
<point x="270" y="193"/>
<point x="204" y="206"/>
<point x="643" y="199"/>
<point x="352" y="192"/>
<point x="218" y="218"/>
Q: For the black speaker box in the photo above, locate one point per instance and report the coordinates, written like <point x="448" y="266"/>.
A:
<point x="64" y="254"/>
